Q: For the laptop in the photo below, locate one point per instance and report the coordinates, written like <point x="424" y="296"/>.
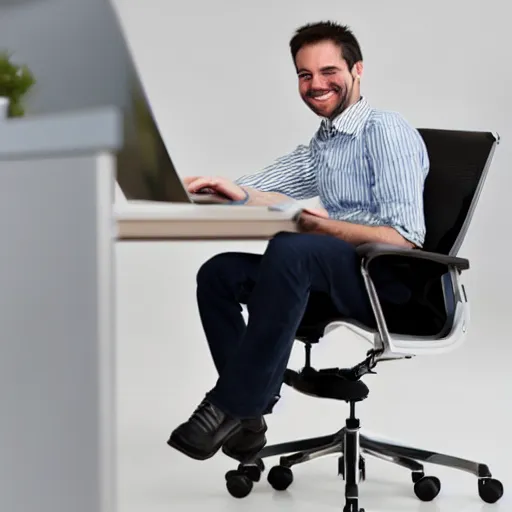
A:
<point x="145" y="170"/>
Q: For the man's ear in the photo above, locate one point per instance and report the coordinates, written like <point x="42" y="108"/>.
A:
<point x="357" y="70"/>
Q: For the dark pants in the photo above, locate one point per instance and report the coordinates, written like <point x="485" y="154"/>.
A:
<point x="277" y="288"/>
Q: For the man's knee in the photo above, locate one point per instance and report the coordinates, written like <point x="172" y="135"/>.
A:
<point x="213" y="269"/>
<point x="286" y="243"/>
<point x="227" y="271"/>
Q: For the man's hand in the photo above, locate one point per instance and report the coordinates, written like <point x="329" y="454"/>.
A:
<point x="308" y="223"/>
<point x="229" y="189"/>
<point x="214" y="185"/>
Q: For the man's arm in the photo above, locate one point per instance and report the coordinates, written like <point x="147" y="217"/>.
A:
<point x="399" y="162"/>
<point x="259" y="198"/>
<point x="355" y="234"/>
<point x="290" y="178"/>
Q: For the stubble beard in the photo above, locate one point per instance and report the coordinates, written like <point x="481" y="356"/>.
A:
<point x="342" y="95"/>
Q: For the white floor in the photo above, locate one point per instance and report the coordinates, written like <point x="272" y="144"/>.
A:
<point x="157" y="488"/>
<point x="155" y="479"/>
<point x="459" y="404"/>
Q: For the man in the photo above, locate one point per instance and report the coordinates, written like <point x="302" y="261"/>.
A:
<point x="368" y="167"/>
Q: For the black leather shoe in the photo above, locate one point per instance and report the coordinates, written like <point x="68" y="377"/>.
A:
<point x="204" y="433"/>
<point x="248" y="441"/>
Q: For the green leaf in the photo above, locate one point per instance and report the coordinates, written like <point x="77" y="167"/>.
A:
<point x="16" y="81"/>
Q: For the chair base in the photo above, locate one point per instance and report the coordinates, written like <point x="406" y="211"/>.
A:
<point x="350" y="444"/>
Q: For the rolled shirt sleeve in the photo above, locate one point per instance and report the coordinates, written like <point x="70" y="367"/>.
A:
<point x="400" y="164"/>
<point x="293" y="175"/>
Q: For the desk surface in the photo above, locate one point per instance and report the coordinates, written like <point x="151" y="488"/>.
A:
<point x="163" y="221"/>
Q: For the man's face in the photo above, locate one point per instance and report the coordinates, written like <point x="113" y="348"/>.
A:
<point x="325" y="82"/>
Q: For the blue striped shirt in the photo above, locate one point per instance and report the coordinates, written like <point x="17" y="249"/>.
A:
<point x="367" y="166"/>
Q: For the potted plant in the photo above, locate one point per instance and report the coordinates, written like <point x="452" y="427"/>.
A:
<point x="15" y="82"/>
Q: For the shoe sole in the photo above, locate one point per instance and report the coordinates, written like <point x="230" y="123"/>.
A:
<point x="239" y="457"/>
<point x="193" y="455"/>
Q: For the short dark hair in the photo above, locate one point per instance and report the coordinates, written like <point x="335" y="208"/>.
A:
<point x="340" y="35"/>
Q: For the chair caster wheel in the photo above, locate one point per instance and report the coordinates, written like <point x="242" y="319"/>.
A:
<point x="238" y="484"/>
<point x="280" y="478"/>
<point x="253" y="471"/>
<point x="427" y="488"/>
<point x="490" y="489"/>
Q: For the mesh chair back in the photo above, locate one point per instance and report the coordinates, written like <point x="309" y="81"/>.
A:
<point x="459" y="161"/>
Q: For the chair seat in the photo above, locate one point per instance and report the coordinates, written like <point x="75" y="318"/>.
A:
<point x="313" y="333"/>
<point x="326" y="383"/>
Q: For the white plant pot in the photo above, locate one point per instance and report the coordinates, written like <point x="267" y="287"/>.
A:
<point x="4" y="107"/>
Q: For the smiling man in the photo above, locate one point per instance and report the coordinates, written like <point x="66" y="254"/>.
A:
<point x="368" y="167"/>
<point x="327" y="83"/>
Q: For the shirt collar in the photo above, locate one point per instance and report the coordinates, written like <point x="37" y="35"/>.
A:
<point x="352" y="120"/>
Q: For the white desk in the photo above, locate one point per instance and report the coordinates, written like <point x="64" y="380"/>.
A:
<point x="163" y="221"/>
<point x="58" y="315"/>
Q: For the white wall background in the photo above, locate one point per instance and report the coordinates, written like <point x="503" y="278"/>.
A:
<point x="222" y="82"/>
<point x="221" y="79"/>
<point x="223" y="85"/>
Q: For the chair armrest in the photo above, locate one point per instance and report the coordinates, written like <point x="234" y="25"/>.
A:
<point x="370" y="251"/>
<point x="387" y="347"/>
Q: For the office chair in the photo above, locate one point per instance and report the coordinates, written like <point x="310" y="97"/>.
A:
<point x="434" y="321"/>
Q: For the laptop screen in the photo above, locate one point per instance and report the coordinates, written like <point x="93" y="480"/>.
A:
<point x="144" y="168"/>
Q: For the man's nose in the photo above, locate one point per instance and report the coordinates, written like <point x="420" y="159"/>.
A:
<point x="318" y="82"/>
